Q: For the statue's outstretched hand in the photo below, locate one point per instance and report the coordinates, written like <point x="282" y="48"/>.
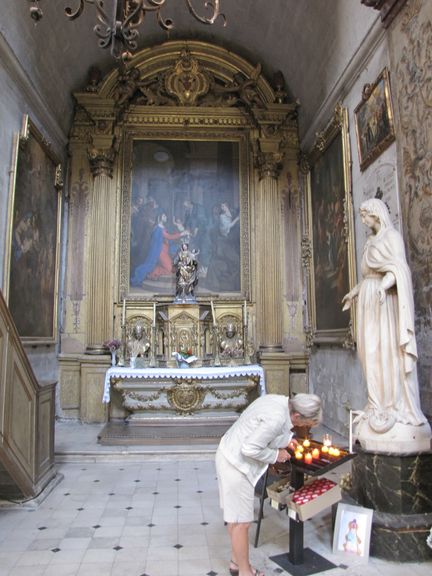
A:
<point x="347" y="300"/>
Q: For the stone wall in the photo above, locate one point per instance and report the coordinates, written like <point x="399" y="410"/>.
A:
<point x="410" y="45"/>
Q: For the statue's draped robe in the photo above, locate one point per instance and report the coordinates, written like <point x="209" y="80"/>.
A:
<point x="385" y="332"/>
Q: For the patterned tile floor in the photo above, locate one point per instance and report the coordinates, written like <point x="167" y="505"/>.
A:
<point x="156" y="517"/>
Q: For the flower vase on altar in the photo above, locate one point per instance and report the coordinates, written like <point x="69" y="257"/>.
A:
<point x="113" y="346"/>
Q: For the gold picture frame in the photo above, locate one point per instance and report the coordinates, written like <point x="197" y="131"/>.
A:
<point x="188" y="179"/>
<point x="329" y="228"/>
<point x="374" y="120"/>
<point x="33" y="242"/>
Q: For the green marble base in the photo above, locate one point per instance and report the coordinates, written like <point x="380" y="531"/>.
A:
<point x="399" y="490"/>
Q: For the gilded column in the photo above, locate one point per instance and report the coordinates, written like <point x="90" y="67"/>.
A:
<point x="100" y="250"/>
<point x="269" y="235"/>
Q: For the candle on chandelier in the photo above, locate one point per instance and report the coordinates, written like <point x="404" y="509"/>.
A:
<point x="154" y="315"/>
<point x="124" y="312"/>
<point x="213" y="312"/>
<point x="244" y="314"/>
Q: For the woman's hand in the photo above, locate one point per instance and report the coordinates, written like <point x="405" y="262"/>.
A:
<point x="293" y="444"/>
<point x="283" y="455"/>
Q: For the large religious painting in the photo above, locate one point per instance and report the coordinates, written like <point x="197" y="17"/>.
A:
<point x="374" y="120"/>
<point x="184" y="191"/>
<point x="330" y="229"/>
<point x="34" y="237"/>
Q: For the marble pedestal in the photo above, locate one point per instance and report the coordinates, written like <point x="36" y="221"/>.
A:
<point x="399" y="490"/>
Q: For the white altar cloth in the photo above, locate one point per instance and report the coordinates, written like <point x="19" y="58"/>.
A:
<point x="203" y="373"/>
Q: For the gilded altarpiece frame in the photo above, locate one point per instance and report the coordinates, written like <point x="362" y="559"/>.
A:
<point x="193" y="189"/>
<point x="329" y="226"/>
<point x="33" y="247"/>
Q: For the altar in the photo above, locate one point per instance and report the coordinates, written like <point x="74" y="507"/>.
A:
<point x="150" y="394"/>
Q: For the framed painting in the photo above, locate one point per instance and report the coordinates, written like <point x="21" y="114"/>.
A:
<point x="352" y="531"/>
<point x="34" y="237"/>
<point x="178" y="191"/>
<point x="374" y="120"/>
<point x="329" y="223"/>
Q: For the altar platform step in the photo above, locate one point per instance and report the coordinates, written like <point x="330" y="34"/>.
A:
<point x="77" y="442"/>
<point x="163" y="433"/>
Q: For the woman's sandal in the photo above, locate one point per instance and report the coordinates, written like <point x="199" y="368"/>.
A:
<point x="233" y="571"/>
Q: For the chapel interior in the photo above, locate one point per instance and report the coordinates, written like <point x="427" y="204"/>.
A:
<point x="244" y="143"/>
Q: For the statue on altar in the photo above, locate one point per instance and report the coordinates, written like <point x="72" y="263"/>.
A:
<point x="392" y="420"/>
<point x="186" y="265"/>
<point x="231" y="345"/>
<point x="138" y="344"/>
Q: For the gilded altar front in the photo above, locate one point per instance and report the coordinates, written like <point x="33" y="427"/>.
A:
<point x="183" y="127"/>
<point x="165" y="393"/>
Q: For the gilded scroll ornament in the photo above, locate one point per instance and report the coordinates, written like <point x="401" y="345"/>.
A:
<point x="186" y="397"/>
<point x="187" y="81"/>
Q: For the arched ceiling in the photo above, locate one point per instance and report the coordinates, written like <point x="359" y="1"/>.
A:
<point x="310" y="41"/>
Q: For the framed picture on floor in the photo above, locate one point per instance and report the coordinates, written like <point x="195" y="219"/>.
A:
<point x="34" y="237"/>
<point x="330" y="255"/>
<point x="374" y="120"/>
<point x="184" y="190"/>
<point x="352" y="531"/>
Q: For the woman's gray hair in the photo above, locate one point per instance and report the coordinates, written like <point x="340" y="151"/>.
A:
<point x="308" y="406"/>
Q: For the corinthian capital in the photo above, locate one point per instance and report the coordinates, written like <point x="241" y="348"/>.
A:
<point x="268" y="164"/>
<point x="102" y="160"/>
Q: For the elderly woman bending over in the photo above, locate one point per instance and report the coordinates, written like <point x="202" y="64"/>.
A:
<point x="258" y="438"/>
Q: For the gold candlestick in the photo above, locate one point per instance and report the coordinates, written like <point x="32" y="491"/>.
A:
<point x="153" y="348"/>
<point x="216" y="361"/>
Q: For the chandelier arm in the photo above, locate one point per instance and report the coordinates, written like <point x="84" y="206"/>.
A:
<point x="214" y="5"/>
<point x="74" y="14"/>
<point x="134" y="18"/>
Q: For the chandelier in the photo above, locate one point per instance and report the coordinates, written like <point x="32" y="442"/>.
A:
<point x="119" y="20"/>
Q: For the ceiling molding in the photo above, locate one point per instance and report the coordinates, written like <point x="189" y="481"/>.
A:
<point x="35" y="105"/>
<point x="389" y="9"/>
<point x="345" y="82"/>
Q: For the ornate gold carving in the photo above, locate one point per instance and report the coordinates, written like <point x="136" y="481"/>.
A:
<point x="303" y="162"/>
<point x="185" y="396"/>
<point x="102" y="160"/>
<point x="306" y="252"/>
<point x="58" y="183"/>
<point x="349" y="341"/>
<point x="309" y="337"/>
<point x="268" y="164"/>
<point x="187" y="82"/>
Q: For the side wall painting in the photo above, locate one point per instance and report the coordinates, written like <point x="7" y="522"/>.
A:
<point x="183" y="191"/>
<point x="374" y="120"/>
<point x="34" y="238"/>
<point x="332" y="272"/>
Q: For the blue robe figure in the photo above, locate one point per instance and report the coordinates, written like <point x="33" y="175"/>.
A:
<point x="143" y="270"/>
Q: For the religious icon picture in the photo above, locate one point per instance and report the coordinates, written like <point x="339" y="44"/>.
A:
<point x="330" y="230"/>
<point x="352" y="531"/>
<point x="183" y="193"/>
<point x="34" y="237"/>
<point x="374" y="120"/>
